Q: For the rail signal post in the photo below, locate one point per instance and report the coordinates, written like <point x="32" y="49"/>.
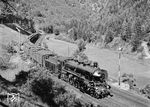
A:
<point x="119" y="71"/>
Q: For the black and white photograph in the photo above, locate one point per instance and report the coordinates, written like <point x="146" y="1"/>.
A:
<point x="74" y="53"/>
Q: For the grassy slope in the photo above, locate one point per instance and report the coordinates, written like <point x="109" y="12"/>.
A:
<point x="6" y="36"/>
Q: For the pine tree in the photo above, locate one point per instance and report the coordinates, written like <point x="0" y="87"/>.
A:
<point x="126" y="33"/>
<point x="138" y="34"/>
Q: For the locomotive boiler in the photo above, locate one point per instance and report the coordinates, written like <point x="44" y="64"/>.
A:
<point x="87" y="77"/>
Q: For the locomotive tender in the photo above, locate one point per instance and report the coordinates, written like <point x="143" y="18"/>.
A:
<point x="87" y="77"/>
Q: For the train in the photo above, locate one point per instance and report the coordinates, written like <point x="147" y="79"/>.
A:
<point x="88" y="77"/>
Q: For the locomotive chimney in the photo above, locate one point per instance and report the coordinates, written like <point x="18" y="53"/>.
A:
<point x="95" y="64"/>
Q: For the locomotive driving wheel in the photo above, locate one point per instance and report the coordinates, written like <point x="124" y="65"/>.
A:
<point x="100" y="96"/>
<point x="96" y="95"/>
<point x="92" y="93"/>
<point x="105" y="93"/>
<point x="76" y="84"/>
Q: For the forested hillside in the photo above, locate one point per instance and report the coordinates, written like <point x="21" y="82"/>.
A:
<point x="88" y="19"/>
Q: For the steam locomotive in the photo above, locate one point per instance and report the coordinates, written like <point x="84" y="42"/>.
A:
<point x="85" y="76"/>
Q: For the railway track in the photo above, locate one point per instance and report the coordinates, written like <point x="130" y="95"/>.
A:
<point x="130" y="98"/>
<point x="108" y="102"/>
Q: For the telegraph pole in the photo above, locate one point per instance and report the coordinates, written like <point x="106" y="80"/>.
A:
<point x="19" y="39"/>
<point x="19" y="44"/>
<point x="68" y="50"/>
<point x="119" y="65"/>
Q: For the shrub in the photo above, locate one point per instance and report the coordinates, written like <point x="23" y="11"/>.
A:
<point x="44" y="89"/>
<point x="21" y="78"/>
<point x="81" y="45"/>
<point x="56" y="32"/>
<point x="9" y="48"/>
<point x="47" y="29"/>
<point x="128" y="78"/>
<point x="146" y="91"/>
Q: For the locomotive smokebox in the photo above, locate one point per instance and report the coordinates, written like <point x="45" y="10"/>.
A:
<point x="95" y="64"/>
